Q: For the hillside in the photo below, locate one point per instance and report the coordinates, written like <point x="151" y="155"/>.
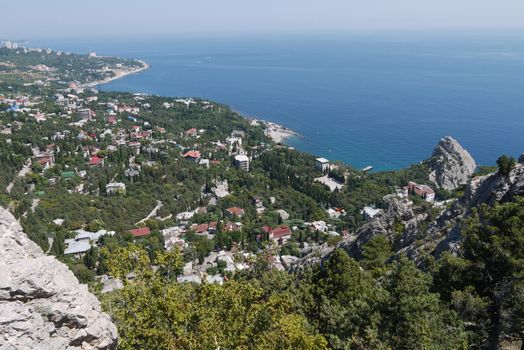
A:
<point x="197" y="230"/>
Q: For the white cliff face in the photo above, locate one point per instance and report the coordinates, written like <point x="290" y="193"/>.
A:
<point x="451" y="165"/>
<point x="42" y="304"/>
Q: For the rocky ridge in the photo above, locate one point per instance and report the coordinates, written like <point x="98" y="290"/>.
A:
<point x="42" y="304"/>
<point x="451" y="165"/>
<point x="399" y="221"/>
<point x="444" y="233"/>
<point x="412" y="231"/>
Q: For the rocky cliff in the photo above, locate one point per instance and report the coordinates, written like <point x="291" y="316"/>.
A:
<point x="42" y="304"/>
<point x="399" y="221"/>
<point x="444" y="233"/>
<point x="410" y="228"/>
<point x="450" y="165"/>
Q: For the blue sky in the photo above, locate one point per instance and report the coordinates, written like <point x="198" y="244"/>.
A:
<point x="47" y="18"/>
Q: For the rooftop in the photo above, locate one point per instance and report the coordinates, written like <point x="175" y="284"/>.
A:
<point x="139" y="232"/>
<point x="76" y="247"/>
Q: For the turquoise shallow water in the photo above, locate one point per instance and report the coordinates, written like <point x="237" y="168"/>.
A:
<point x="368" y="99"/>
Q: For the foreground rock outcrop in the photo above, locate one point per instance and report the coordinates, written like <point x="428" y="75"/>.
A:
<point x="451" y="165"/>
<point x="42" y="304"/>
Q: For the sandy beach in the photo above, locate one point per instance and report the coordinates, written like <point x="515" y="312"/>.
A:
<point x="119" y="73"/>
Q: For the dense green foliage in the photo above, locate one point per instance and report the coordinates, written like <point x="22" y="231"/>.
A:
<point x="339" y="305"/>
<point x="153" y="313"/>
<point x="505" y="164"/>
<point x="377" y="303"/>
<point x="485" y="284"/>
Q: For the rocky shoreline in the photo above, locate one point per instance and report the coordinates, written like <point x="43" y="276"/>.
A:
<point x="276" y="132"/>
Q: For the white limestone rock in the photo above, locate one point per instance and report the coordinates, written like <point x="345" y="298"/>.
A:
<point x="42" y="304"/>
<point x="451" y="165"/>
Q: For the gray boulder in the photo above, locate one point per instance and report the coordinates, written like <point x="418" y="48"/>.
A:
<point x="42" y="304"/>
<point x="450" y="165"/>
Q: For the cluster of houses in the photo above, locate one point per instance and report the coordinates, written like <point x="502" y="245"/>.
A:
<point x="123" y="127"/>
<point x="140" y="137"/>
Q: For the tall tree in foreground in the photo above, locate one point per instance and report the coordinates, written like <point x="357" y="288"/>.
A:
<point x="486" y="284"/>
<point x="414" y="317"/>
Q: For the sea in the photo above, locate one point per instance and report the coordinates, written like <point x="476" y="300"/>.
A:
<point x="367" y="99"/>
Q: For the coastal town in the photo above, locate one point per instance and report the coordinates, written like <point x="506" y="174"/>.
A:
<point x="131" y="220"/>
<point x="107" y="145"/>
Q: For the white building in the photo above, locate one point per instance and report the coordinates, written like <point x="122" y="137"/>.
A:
<point x="83" y="241"/>
<point x="204" y="163"/>
<point x="322" y="164"/>
<point x="242" y="162"/>
<point x="11" y="45"/>
<point x="76" y="248"/>
<point x="173" y="237"/>
<point x="115" y="188"/>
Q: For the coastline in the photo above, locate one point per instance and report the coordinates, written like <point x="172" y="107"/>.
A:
<point x="276" y="132"/>
<point x="121" y="73"/>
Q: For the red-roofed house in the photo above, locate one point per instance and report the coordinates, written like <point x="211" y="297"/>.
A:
<point x="191" y="132"/>
<point x="205" y="228"/>
<point x="423" y="191"/>
<point x="192" y="155"/>
<point x="142" y="135"/>
<point x="235" y="211"/>
<point x="96" y="161"/>
<point x="280" y="235"/>
<point x="140" y="232"/>
<point x="46" y="160"/>
<point x="231" y="226"/>
<point x="200" y="228"/>
<point x="111" y="120"/>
